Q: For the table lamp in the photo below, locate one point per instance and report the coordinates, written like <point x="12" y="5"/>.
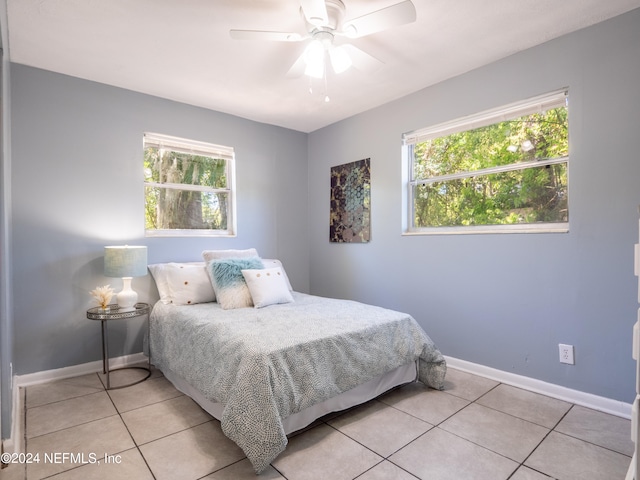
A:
<point x="125" y="262"/>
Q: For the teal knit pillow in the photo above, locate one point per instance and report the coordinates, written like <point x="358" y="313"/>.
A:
<point x="228" y="281"/>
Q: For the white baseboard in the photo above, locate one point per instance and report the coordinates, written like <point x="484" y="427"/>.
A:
<point x="595" y="402"/>
<point x="75" y="370"/>
<point x="15" y="443"/>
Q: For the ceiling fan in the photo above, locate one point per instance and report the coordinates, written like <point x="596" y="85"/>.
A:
<point x="324" y="21"/>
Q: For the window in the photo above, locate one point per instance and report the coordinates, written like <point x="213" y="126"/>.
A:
<point x="504" y="170"/>
<point x="189" y="187"/>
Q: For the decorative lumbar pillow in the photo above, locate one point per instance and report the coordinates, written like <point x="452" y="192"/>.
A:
<point x="228" y="281"/>
<point x="267" y="286"/>
<point x="182" y="283"/>
<point x="272" y="263"/>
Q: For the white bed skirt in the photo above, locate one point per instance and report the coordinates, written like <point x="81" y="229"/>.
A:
<point x="361" y="394"/>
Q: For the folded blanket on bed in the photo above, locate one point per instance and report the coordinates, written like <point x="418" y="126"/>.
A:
<point x="266" y="364"/>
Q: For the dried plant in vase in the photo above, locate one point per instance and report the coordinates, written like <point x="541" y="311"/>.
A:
<point x="103" y="296"/>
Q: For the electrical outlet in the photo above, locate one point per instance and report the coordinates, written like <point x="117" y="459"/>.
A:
<point x="566" y="354"/>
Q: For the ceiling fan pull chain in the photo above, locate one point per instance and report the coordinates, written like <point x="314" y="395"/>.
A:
<point x="326" y="88"/>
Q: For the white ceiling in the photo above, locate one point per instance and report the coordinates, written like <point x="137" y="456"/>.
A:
<point x="181" y="49"/>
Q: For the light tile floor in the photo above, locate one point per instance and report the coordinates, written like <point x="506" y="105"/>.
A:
<point x="475" y="429"/>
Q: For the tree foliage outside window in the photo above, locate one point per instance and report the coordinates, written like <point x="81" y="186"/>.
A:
<point x="513" y="171"/>
<point x="188" y="187"/>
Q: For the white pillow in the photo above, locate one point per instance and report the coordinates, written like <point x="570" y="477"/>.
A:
<point x="267" y="286"/>
<point x="182" y="283"/>
<point x="272" y="263"/>
<point x="210" y="255"/>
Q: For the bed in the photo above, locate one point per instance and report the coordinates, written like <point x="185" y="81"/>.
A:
<point x="267" y="372"/>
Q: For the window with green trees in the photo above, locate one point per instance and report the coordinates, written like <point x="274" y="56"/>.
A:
<point x="504" y="170"/>
<point x="188" y="187"/>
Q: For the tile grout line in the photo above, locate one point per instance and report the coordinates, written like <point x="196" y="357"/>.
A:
<point x="540" y="443"/>
<point x="383" y="458"/>
<point x="387" y="458"/>
<point x="63" y="400"/>
<point x="519" y="464"/>
<point x="135" y="443"/>
<point x="80" y="424"/>
<point x="471" y="402"/>
<point x="26" y="438"/>
<point x="550" y="430"/>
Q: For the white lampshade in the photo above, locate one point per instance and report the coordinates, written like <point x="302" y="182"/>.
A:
<point x="125" y="262"/>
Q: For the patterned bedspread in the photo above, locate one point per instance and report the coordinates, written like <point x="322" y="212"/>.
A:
<point x="266" y="364"/>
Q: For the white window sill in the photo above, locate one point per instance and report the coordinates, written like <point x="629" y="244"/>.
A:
<point x="188" y="233"/>
<point x="491" y="229"/>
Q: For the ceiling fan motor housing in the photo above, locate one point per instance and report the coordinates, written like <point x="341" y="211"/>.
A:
<point x="335" y="14"/>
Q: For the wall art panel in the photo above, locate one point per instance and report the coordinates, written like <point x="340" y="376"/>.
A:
<point x="350" y="213"/>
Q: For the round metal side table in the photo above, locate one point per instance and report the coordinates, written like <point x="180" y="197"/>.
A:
<point x="113" y="312"/>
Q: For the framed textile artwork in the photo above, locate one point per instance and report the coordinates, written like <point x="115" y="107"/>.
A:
<point x="350" y="214"/>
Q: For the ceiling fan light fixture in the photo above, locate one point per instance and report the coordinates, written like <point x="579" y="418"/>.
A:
<point x="340" y="59"/>
<point x="314" y="58"/>
<point x="314" y="70"/>
<point x="314" y="53"/>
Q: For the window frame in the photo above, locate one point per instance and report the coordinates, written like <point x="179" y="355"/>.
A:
<point x="183" y="145"/>
<point x="488" y="117"/>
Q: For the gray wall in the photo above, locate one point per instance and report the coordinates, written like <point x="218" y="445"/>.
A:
<point x="77" y="184"/>
<point x="506" y="301"/>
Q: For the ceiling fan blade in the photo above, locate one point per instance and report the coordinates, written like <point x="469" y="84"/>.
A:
<point x="262" y="35"/>
<point x="315" y="11"/>
<point x="362" y="60"/>
<point x="392" y="16"/>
